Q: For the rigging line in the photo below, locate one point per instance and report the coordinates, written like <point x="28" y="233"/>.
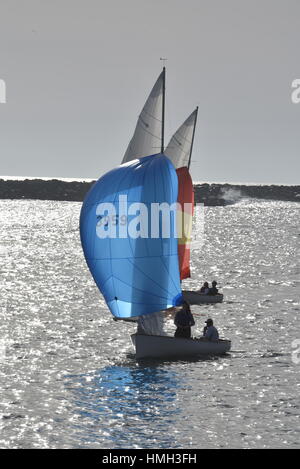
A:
<point x="162" y="261"/>
<point x="136" y="257"/>
<point x="143" y="185"/>
<point x="147" y="276"/>
<point x="110" y="247"/>
<point x="146" y="131"/>
<point x="139" y="289"/>
<point x="181" y="135"/>
<point x="150" y="115"/>
<point x="102" y="286"/>
<point x="177" y="145"/>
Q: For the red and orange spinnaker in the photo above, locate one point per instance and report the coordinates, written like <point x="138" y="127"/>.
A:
<point x="184" y="220"/>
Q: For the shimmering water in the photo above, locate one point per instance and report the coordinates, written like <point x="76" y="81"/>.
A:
<point x="68" y="375"/>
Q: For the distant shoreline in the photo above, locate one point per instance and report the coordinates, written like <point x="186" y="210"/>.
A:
<point x="214" y="194"/>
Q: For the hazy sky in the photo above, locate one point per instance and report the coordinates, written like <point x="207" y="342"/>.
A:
<point x="78" y="72"/>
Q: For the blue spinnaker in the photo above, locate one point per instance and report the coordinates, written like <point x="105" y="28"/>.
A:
<point x="133" y="261"/>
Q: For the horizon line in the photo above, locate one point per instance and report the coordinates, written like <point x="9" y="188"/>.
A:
<point x="74" y="179"/>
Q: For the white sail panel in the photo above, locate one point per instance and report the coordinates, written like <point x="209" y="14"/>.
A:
<point x="180" y="146"/>
<point x="147" y="136"/>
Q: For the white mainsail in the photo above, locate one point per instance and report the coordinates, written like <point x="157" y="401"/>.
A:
<point x="148" y="135"/>
<point x="179" y="149"/>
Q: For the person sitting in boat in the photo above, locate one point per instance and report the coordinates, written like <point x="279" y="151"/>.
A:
<point x="213" y="290"/>
<point x="184" y="320"/>
<point x="210" y="332"/>
<point x="204" y="289"/>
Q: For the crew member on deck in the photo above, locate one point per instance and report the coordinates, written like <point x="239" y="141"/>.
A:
<point x="210" y="332"/>
<point x="184" y="320"/>
<point x="205" y="288"/>
<point x="213" y="290"/>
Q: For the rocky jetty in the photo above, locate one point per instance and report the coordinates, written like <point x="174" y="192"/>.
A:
<point x="226" y="194"/>
<point x="53" y="189"/>
<point x="209" y="194"/>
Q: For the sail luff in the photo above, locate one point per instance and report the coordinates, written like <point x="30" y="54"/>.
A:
<point x="192" y="144"/>
<point x="179" y="149"/>
<point x="148" y="137"/>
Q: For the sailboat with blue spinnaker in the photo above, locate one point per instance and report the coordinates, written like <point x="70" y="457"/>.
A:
<point x="138" y="274"/>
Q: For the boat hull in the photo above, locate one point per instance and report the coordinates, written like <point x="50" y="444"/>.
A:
<point x="151" y="346"/>
<point x="195" y="298"/>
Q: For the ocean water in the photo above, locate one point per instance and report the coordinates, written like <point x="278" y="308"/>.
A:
<point x="68" y="375"/>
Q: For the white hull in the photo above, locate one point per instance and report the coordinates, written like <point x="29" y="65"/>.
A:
<point x="195" y="298"/>
<point x="151" y="346"/>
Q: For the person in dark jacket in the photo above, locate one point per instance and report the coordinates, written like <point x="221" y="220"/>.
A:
<point x="213" y="290"/>
<point x="210" y="332"/>
<point x="184" y="320"/>
<point x="205" y="288"/>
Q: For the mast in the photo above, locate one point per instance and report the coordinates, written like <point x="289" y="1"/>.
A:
<point x="163" y="112"/>
<point x="193" y="138"/>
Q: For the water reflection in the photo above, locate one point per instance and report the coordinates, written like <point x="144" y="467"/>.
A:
<point x="54" y="332"/>
<point x="126" y="406"/>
